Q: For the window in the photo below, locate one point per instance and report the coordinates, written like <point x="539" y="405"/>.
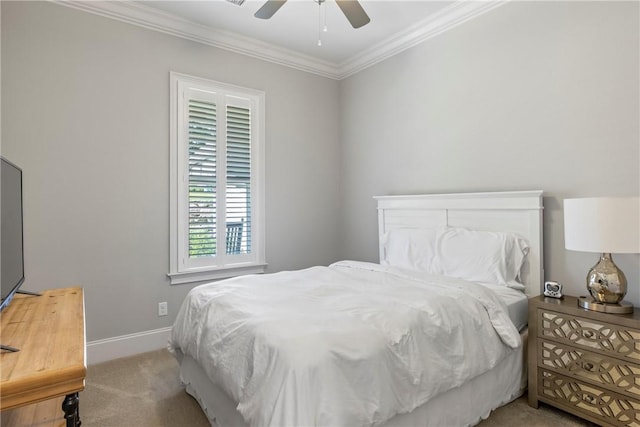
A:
<point x="217" y="182"/>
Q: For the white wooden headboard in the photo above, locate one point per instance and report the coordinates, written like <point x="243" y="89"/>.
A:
<point x="514" y="211"/>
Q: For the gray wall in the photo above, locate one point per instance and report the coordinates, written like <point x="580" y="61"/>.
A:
<point x="533" y="95"/>
<point x="530" y="96"/>
<point x="85" y="114"/>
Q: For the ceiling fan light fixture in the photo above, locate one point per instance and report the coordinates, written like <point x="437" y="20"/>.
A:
<point x="351" y="9"/>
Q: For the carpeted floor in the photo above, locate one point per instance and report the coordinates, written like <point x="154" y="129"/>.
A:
<point x="145" y="391"/>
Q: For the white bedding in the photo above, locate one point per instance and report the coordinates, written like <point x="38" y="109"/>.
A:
<point x="517" y="304"/>
<point x="462" y="406"/>
<point x="300" y="348"/>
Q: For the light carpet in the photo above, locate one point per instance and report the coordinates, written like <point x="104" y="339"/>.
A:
<point x="145" y="391"/>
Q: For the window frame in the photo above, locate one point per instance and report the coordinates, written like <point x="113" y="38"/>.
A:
<point x="181" y="270"/>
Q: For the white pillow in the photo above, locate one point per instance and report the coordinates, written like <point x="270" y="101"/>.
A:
<point x="410" y="248"/>
<point x="480" y="256"/>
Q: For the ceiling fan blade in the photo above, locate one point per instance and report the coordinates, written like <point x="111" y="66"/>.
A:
<point x="269" y="8"/>
<point x="354" y="12"/>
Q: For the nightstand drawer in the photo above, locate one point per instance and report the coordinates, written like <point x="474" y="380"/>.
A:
<point x="616" y="375"/>
<point x="618" y="341"/>
<point x="576" y="395"/>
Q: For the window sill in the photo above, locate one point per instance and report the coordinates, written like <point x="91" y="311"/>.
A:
<point x="217" y="274"/>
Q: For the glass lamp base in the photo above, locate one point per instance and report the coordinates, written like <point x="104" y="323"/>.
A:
<point x="622" y="307"/>
<point x="606" y="282"/>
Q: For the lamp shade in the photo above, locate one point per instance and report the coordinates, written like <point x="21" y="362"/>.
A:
<point x="602" y="224"/>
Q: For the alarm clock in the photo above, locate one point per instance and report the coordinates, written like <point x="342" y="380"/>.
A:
<point x="552" y="289"/>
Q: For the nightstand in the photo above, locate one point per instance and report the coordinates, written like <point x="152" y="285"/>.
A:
<point x="584" y="362"/>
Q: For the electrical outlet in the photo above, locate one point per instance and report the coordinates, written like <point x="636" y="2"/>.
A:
<point x="163" y="309"/>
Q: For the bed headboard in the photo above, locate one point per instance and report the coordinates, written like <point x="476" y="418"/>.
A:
<point x="514" y="211"/>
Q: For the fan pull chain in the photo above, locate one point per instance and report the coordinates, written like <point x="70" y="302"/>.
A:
<point x="324" y="16"/>
<point x="322" y="20"/>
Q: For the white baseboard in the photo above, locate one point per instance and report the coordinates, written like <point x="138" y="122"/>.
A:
<point x="126" y="345"/>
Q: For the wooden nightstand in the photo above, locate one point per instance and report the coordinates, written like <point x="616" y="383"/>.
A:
<point x="584" y="362"/>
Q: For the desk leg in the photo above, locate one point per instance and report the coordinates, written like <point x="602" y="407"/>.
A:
<point x="71" y="408"/>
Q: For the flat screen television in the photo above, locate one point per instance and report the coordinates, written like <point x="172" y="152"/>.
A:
<point x="11" y="251"/>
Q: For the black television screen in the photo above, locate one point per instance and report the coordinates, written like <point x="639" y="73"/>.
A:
<point x="11" y="251"/>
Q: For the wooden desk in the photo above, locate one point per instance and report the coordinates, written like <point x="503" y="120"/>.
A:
<point x="49" y="331"/>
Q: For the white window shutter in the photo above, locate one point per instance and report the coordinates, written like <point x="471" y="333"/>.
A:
<point x="202" y="178"/>
<point x="217" y="201"/>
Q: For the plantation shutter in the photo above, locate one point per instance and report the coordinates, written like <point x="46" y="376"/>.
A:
<point x="202" y="178"/>
<point x="238" y="179"/>
<point x="217" y="180"/>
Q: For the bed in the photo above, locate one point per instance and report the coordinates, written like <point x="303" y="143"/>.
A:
<point x="403" y="342"/>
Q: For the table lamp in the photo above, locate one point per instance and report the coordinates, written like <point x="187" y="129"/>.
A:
<point x="605" y="225"/>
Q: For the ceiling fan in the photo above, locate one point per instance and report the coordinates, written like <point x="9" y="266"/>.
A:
<point x="352" y="9"/>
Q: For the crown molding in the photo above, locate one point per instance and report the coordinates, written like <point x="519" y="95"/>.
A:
<point x="153" y="19"/>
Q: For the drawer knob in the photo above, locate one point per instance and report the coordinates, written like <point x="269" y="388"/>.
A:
<point x="588" y="366"/>
<point x="588" y="398"/>
<point x="588" y="334"/>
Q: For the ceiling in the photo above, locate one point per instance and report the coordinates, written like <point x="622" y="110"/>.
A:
<point x="295" y="25"/>
<point x="290" y="37"/>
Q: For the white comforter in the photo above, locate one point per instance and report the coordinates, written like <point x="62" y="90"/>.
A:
<point x="350" y="344"/>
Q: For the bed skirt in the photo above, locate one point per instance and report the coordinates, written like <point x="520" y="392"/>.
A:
<point x="466" y="405"/>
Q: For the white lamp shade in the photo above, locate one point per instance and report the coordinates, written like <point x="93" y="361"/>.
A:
<point x="602" y="224"/>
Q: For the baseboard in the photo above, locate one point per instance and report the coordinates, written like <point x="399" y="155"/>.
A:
<point x="126" y="345"/>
